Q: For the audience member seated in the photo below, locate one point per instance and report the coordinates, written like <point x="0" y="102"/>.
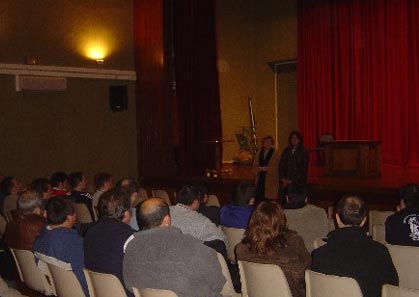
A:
<point x="103" y="183"/>
<point x="268" y="240"/>
<point x="9" y="193"/>
<point x="60" y="184"/>
<point x="186" y="217"/>
<point x="104" y="242"/>
<point x="59" y="240"/>
<point x="237" y="213"/>
<point x="43" y="187"/>
<point x="402" y="228"/>
<point x="308" y="220"/>
<point x="27" y="224"/>
<point x="350" y="253"/>
<point x="162" y="257"/>
<point x="131" y="186"/>
<point x="78" y="184"/>
<point x="211" y="212"/>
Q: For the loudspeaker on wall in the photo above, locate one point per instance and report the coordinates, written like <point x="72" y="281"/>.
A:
<point x="118" y="98"/>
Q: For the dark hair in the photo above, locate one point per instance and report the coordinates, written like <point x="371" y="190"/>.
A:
<point x="75" y="179"/>
<point x="268" y="137"/>
<point x="150" y="214"/>
<point x="57" y="178"/>
<point x="410" y="196"/>
<point x="187" y="195"/>
<point x="267" y="229"/>
<point x="351" y="210"/>
<point x="6" y="185"/>
<point x="299" y="135"/>
<point x="58" y="208"/>
<point x="202" y="189"/>
<point x="101" y="178"/>
<point x="114" y="203"/>
<point x="40" y="185"/>
<point x="244" y="192"/>
<point x="297" y="194"/>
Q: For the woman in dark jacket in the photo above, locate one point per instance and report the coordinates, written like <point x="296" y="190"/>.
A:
<point x="268" y="240"/>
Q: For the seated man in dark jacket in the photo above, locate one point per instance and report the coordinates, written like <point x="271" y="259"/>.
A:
<point x="162" y="257"/>
<point x="104" y="244"/>
<point x="349" y="252"/>
<point x="27" y="222"/>
<point x="402" y="228"/>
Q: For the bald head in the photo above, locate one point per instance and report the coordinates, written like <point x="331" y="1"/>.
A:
<point x="152" y="213"/>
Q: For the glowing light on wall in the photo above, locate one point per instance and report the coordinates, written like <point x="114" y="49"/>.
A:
<point x="96" y="43"/>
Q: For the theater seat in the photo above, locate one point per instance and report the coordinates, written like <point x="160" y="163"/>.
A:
<point x="377" y="217"/>
<point x="406" y="261"/>
<point x="393" y="291"/>
<point x="213" y="201"/>
<point x="30" y="274"/>
<point x="103" y="284"/>
<point x="234" y="237"/>
<point x="321" y="285"/>
<point x="82" y="213"/>
<point x="153" y="293"/>
<point x="318" y="242"/>
<point x="263" y="280"/>
<point x="379" y="233"/>
<point x="228" y="289"/>
<point x="65" y="281"/>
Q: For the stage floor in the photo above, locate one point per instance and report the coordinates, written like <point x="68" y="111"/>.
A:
<point x="379" y="192"/>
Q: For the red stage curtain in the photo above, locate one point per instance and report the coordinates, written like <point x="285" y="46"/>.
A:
<point x="197" y="83"/>
<point x="358" y="73"/>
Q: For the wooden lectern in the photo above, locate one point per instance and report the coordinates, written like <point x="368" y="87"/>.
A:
<point x="353" y="158"/>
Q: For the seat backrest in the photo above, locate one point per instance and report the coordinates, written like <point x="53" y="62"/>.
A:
<point x="29" y="272"/>
<point x="161" y="194"/>
<point x="104" y="285"/>
<point x="377" y="217"/>
<point x="10" y="203"/>
<point x="406" y="261"/>
<point x="234" y="237"/>
<point x="318" y="242"/>
<point x="142" y="194"/>
<point x="321" y="285"/>
<point x="82" y="213"/>
<point x="392" y="291"/>
<point x="65" y="281"/>
<point x="153" y="293"/>
<point x="379" y="233"/>
<point x="228" y="289"/>
<point x="213" y="201"/>
<point x="263" y="280"/>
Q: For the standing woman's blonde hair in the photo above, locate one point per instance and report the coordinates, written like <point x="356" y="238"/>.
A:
<point x="267" y="229"/>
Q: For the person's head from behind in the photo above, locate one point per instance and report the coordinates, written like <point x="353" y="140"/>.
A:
<point x="103" y="181"/>
<point x="267" y="228"/>
<point x="153" y="213"/>
<point x="203" y="193"/>
<point x="60" y="212"/>
<point x="30" y="202"/>
<point x="78" y="181"/>
<point x="295" y="139"/>
<point x="189" y="195"/>
<point x="132" y="187"/>
<point x="115" y="204"/>
<point x="9" y="186"/>
<point x="296" y="196"/>
<point x="60" y="181"/>
<point x="351" y="211"/>
<point x="43" y="187"/>
<point x="245" y="194"/>
<point x="268" y="142"/>
<point x="409" y="197"/>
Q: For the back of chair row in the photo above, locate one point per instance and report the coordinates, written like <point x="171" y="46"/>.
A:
<point x="392" y="291"/>
<point x="321" y="285"/>
<point x="406" y="261"/>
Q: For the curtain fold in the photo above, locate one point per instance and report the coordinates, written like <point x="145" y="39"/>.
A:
<point x="197" y="88"/>
<point x="358" y="73"/>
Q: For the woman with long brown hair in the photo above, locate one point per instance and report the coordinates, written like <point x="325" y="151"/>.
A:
<point x="268" y="240"/>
